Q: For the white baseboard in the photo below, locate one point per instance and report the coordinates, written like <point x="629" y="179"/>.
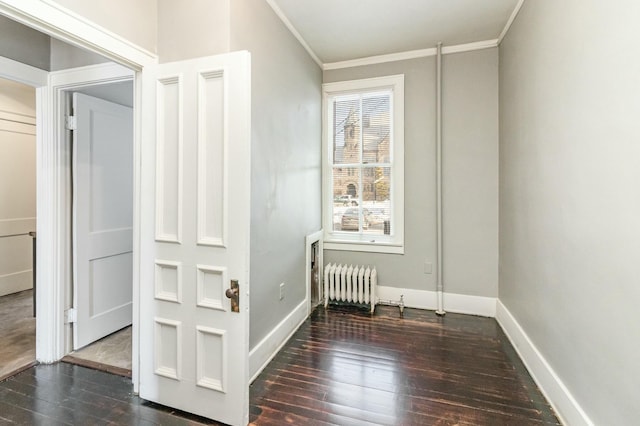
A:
<point x="268" y="347"/>
<point x="565" y="405"/>
<point x="15" y="282"/>
<point x="426" y="299"/>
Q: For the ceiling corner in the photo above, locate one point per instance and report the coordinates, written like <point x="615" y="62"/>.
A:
<point x="294" y="31"/>
<point x="512" y="18"/>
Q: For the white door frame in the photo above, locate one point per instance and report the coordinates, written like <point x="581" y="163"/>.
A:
<point x="61" y="83"/>
<point x="52" y="254"/>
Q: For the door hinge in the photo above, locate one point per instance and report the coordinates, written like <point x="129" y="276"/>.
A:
<point x="70" y="122"/>
<point x="70" y="316"/>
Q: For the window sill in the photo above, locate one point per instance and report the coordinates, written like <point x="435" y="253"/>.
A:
<point x="387" y="248"/>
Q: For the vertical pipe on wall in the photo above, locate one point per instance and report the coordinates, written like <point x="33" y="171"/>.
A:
<point x="439" y="283"/>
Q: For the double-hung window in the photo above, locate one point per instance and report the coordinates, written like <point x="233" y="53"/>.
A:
<point x="363" y="165"/>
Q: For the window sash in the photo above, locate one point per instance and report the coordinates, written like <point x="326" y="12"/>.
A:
<point x="360" y="90"/>
<point x="361" y="165"/>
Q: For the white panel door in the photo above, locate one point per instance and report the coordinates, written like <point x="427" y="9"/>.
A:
<point x="102" y="218"/>
<point x="194" y="348"/>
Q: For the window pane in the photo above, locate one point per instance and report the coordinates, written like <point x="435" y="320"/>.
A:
<point x="346" y="196"/>
<point x="376" y="127"/>
<point x="346" y="130"/>
<point x="376" y="195"/>
<point x="362" y="148"/>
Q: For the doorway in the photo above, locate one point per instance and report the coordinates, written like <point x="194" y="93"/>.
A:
<point x="100" y="134"/>
<point x="54" y="70"/>
<point x="115" y="85"/>
<point x="17" y="225"/>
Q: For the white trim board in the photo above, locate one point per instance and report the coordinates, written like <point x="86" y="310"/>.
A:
<point x="269" y="347"/>
<point x="17" y="118"/>
<point x="427" y="299"/>
<point x="564" y="404"/>
<point x="412" y="54"/>
<point x="22" y="73"/>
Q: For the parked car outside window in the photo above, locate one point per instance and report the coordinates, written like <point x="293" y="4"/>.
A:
<point x="350" y="219"/>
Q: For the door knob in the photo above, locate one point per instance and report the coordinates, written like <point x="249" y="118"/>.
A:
<point x="233" y="294"/>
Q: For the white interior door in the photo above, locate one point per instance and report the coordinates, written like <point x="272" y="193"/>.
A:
<point x="102" y="217"/>
<point x="195" y="237"/>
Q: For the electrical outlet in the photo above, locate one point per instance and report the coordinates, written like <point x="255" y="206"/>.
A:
<point x="281" y="291"/>
<point x="428" y="267"/>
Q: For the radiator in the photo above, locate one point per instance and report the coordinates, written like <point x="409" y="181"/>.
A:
<point x="350" y="284"/>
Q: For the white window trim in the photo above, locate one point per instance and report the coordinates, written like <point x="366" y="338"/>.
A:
<point x="358" y="242"/>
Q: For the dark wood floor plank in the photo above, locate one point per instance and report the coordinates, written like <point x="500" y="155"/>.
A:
<point x="66" y="415"/>
<point x="25" y="416"/>
<point x="70" y="394"/>
<point x="420" y="369"/>
<point x="342" y="367"/>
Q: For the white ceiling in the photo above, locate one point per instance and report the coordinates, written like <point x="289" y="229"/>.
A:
<point x="339" y="30"/>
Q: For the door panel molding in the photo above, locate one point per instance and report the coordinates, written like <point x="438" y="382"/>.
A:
<point x="168" y="281"/>
<point x="212" y="153"/>
<point x="169" y="155"/>
<point x="212" y="378"/>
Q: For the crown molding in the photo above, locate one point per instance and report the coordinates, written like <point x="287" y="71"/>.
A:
<point x="294" y="31"/>
<point x="470" y="47"/>
<point x="412" y="54"/>
<point x="512" y="18"/>
<point x="399" y="56"/>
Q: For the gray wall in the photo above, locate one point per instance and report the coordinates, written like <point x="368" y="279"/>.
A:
<point x="28" y="46"/>
<point x="569" y="197"/>
<point x="470" y="173"/>
<point x="64" y="56"/>
<point x="470" y="194"/>
<point x="285" y="160"/>
<point x="23" y="44"/>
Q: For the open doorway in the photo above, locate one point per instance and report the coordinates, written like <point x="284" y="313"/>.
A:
<point x="23" y="55"/>
<point x="100" y="134"/>
<point x="17" y="225"/>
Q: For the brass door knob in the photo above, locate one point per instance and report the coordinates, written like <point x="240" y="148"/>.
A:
<point x="233" y="293"/>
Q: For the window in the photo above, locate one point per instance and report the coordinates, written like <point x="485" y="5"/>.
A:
<point x="363" y="165"/>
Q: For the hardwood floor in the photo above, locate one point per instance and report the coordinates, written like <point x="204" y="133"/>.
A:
<point x="342" y="367"/>
<point x="66" y="394"/>
<point x="18" y="332"/>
